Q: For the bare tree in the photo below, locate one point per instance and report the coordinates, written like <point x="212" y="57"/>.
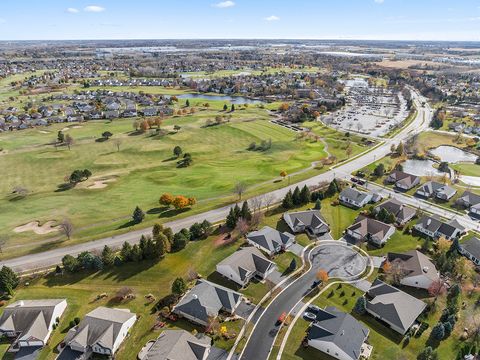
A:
<point x="69" y="141"/>
<point x="240" y="189"/>
<point x="66" y="227"/>
<point x="436" y="289"/>
<point x="256" y="204"/>
<point x="117" y="142"/>
<point x="242" y="227"/>
<point x="268" y="200"/>
<point x="396" y="272"/>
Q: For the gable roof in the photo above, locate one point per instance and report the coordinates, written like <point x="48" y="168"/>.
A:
<point x="354" y="194"/>
<point x="100" y="326"/>
<point x="470" y="198"/>
<point x="310" y="218"/>
<point x="472" y="246"/>
<point x="395" y="207"/>
<point x="430" y="187"/>
<point x="178" y="345"/>
<point x="206" y="299"/>
<point x="434" y="224"/>
<point x="394" y="305"/>
<point x="415" y="263"/>
<point x="403" y="177"/>
<point x="270" y="238"/>
<point x="341" y="329"/>
<point x="29" y="318"/>
<point x="246" y="261"/>
<point x="365" y="225"/>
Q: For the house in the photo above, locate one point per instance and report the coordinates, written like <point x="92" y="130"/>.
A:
<point x="392" y="306"/>
<point x="402" y="213"/>
<point x="150" y="111"/>
<point x="30" y="322"/>
<point x="111" y="114"/>
<point x="102" y="331"/>
<point x="418" y="270"/>
<point x="433" y="227"/>
<point x="368" y="229"/>
<point x="245" y="264"/>
<point x="470" y="201"/>
<point x="471" y="249"/>
<point x="270" y="240"/>
<point x="354" y="198"/>
<point x="176" y="345"/>
<point x="337" y="334"/>
<point x="433" y="188"/>
<point x="310" y="221"/>
<point x="402" y="180"/>
<point x="206" y="300"/>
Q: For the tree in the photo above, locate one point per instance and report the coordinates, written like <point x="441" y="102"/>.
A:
<point x="318" y="204"/>
<point x="239" y="189"/>
<point x="304" y="195"/>
<point x="107" y="135"/>
<point x="177" y="151"/>
<point x="138" y="215"/>
<point x="187" y="103"/>
<point x="117" y="142"/>
<point x="322" y="275"/>
<point x="166" y="199"/>
<point x="225" y="107"/>
<point x="438" y="331"/>
<point x="186" y="161"/>
<point x="360" y="306"/>
<point x="8" y="280"/>
<point x="232" y="217"/>
<point x="442" y="245"/>
<point x="66" y="227"/>
<point x="400" y="149"/>
<point x="126" y="252"/>
<point x="287" y="202"/>
<point x="136" y="253"/>
<point x="180" y="202"/>
<point x="158" y="246"/>
<point x="333" y="188"/>
<point x="108" y="256"/>
<point x="245" y="212"/>
<point x="179" y="241"/>
<point x="283" y="174"/>
<point x="397" y="272"/>
<point x="179" y="286"/>
<point x="242" y="226"/>
<point x="69" y="141"/>
<point x="428" y="354"/>
<point x="60" y="137"/>
<point x="436" y="289"/>
<point x="296" y="196"/>
<point x="463" y="268"/>
<point x="232" y="109"/>
<point x="379" y="170"/>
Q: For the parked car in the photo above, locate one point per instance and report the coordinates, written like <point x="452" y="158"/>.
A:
<point x="309" y="316"/>
<point x="282" y="318"/>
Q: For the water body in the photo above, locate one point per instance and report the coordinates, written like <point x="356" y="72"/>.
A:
<point x="421" y="168"/>
<point x="453" y="155"/>
<point x="226" y="98"/>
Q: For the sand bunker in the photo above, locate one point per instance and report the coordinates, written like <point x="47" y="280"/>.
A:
<point x="34" y="226"/>
<point x="101" y="183"/>
<point x="44" y="132"/>
<point x="77" y="127"/>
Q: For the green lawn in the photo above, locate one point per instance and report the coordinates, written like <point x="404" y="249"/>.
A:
<point x="339" y="217"/>
<point x="399" y="242"/>
<point x="467" y="169"/>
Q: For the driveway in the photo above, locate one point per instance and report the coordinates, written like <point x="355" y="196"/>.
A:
<point x="244" y="310"/>
<point x="334" y="257"/>
<point x="297" y="249"/>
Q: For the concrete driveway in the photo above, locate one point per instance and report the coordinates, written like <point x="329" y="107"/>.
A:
<point x="338" y="260"/>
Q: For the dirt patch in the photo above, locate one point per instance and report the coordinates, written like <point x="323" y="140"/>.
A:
<point x="44" y="132"/>
<point x="76" y="127"/>
<point x="101" y="183"/>
<point x="35" y="226"/>
<point x="65" y="129"/>
<point x="224" y="239"/>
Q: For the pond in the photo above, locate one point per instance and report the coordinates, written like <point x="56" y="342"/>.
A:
<point x="226" y="98"/>
<point x="452" y="154"/>
<point x="421" y="168"/>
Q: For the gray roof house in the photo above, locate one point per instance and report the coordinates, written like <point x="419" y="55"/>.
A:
<point x="470" y="201"/>
<point x="30" y="322"/>
<point x="206" y="300"/>
<point x="311" y="221"/>
<point x="433" y="188"/>
<point x="418" y="270"/>
<point x="403" y="213"/>
<point x="177" y="345"/>
<point x="434" y="227"/>
<point x="471" y="249"/>
<point x="354" y="198"/>
<point x="101" y="331"/>
<point x="402" y="180"/>
<point x="337" y="334"/>
<point x="270" y="240"/>
<point x="244" y="264"/>
<point x="393" y="306"/>
<point x="368" y="229"/>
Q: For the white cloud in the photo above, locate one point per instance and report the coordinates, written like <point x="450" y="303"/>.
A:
<point x="73" y="10"/>
<point x="272" y="18"/>
<point x="94" y="8"/>
<point x="224" y="4"/>
<point x="379" y="1"/>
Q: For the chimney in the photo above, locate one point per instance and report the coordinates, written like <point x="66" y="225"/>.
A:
<point x="425" y="269"/>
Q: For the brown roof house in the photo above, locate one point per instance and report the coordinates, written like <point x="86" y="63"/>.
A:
<point x="368" y="229"/>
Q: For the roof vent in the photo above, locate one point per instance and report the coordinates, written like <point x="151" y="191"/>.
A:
<point x="195" y="296"/>
<point x="342" y="333"/>
<point x="429" y="221"/>
<point x="425" y="269"/>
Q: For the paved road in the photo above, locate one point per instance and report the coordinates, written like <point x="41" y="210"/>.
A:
<point x="53" y="257"/>
<point x="337" y="259"/>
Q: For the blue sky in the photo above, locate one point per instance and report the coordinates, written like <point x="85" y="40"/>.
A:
<point x="293" y="19"/>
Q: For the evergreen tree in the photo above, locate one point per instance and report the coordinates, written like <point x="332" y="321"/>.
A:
<point x="187" y="103"/>
<point x="360" y="306"/>
<point x="126" y="252"/>
<point x="245" y="212"/>
<point x="138" y="215"/>
<point x="232" y="108"/>
<point x="159" y="246"/>
<point x="179" y="241"/>
<point x="296" y="197"/>
<point x="333" y="187"/>
<point x="225" y="107"/>
<point x="207" y="227"/>
<point x="447" y="328"/>
<point x="305" y="195"/>
<point x="136" y="253"/>
<point x="231" y="220"/>
<point x="108" y="256"/>
<point x="70" y="263"/>
<point x="287" y="202"/>
<point x="318" y="204"/>
<point x="8" y="280"/>
<point x="438" y="331"/>
<point x="196" y="231"/>
<point x="179" y="286"/>
<point x="157" y="229"/>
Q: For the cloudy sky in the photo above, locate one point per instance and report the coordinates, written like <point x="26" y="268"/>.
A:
<point x="287" y="19"/>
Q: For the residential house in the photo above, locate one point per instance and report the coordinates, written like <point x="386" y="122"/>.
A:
<point x="433" y="227"/>
<point x="368" y="229"/>
<point x="150" y="111"/>
<point x="418" y="270"/>
<point x="392" y="306"/>
<point x="402" y="180"/>
<point x="471" y="249"/>
<point x="111" y="114"/>
<point x="433" y="188"/>
<point x="337" y="334"/>
<point x="470" y="201"/>
<point x="310" y="221"/>
<point x="177" y="345"/>
<point x="402" y="213"/>
<point x="270" y="240"/>
<point x="101" y="331"/>
<point x="206" y="300"/>
<point x="30" y="322"/>
<point x="245" y="264"/>
<point x="354" y="198"/>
